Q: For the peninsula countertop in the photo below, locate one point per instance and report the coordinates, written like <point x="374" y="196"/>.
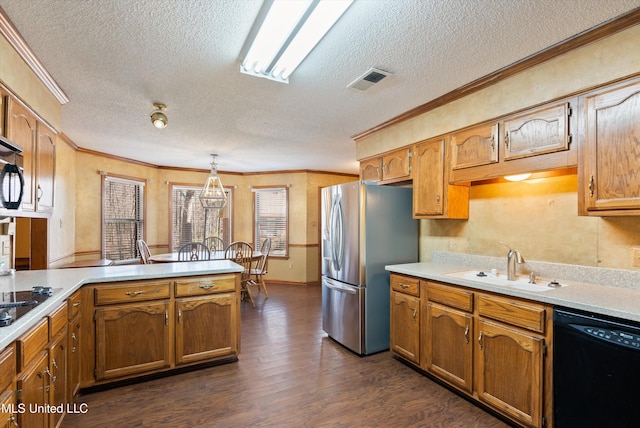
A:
<point x="66" y="281"/>
<point x="603" y="299"/>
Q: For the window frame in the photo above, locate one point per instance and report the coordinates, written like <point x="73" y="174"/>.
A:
<point x="141" y="182"/>
<point x="256" y="239"/>
<point x="197" y="187"/>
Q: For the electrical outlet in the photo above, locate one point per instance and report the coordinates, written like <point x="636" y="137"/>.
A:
<point x="290" y="266"/>
<point x="635" y="253"/>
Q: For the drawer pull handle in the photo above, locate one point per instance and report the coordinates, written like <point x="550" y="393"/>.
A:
<point x="466" y="335"/>
<point x="403" y="285"/>
<point x="206" y="286"/>
<point x="133" y="293"/>
<point x="75" y="305"/>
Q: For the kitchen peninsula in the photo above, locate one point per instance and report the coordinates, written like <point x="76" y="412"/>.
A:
<point x="118" y="322"/>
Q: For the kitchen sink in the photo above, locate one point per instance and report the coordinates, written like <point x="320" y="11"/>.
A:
<point x="520" y="283"/>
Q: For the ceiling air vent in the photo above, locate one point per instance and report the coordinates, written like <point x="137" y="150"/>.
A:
<point x="368" y="79"/>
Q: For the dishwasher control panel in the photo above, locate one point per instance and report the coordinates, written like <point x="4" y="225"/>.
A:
<point x="618" y="337"/>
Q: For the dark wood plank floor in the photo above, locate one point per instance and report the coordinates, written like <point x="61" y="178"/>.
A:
<point x="289" y="374"/>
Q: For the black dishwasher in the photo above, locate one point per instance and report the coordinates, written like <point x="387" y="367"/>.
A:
<point x="596" y="370"/>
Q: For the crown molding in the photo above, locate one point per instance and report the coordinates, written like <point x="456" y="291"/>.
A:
<point x="13" y="36"/>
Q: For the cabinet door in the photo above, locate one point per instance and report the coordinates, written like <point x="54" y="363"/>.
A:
<point x="45" y="168"/>
<point x="33" y="390"/>
<point x="132" y="339"/>
<point x="405" y="326"/>
<point x="612" y="154"/>
<point x="510" y="371"/>
<point x="3" y="109"/>
<point x="8" y="410"/>
<point x="428" y="178"/>
<point x="396" y="165"/>
<point x="475" y="146"/>
<point x="21" y="129"/>
<point x="544" y="130"/>
<point x="73" y="363"/>
<point x="370" y="169"/>
<point x="449" y="351"/>
<point x="58" y="370"/>
<point x="206" y="327"/>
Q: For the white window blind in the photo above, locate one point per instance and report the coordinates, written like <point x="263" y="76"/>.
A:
<point x="272" y="219"/>
<point x="123" y="218"/>
<point x="190" y="222"/>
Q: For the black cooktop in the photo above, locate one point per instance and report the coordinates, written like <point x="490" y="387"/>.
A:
<point x="14" y="304"/>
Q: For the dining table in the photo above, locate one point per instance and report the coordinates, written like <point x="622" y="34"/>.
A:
<point x="215" y="255"/>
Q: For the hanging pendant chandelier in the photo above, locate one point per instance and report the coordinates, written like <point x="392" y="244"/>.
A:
<point x="213" y="194"/>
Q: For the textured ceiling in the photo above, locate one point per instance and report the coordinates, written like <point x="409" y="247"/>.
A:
<point x="114" y="58"/>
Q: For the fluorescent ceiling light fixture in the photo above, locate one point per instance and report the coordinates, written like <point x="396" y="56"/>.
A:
<point x="290" y="30"/>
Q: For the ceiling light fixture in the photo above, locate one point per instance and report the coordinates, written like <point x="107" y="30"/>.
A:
<point x="286" y="35"/>
<point x="158" y="118"/>
<point x="213" y="194"/>
<point x="517" y="177"/>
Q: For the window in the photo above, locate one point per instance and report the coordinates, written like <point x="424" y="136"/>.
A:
<point x="122" y="217"/>
<point x="190" y="222"/>
<point x="271" y="219"/>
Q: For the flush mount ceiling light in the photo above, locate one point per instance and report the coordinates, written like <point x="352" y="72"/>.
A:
<point x="213" y="194"/>
<point x="287" y="33"/>
<point x="158" y="118"/>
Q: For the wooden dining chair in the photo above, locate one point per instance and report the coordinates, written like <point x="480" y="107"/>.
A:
<point x="194" y="251"/>
<point x="260" y="269"/>
<point x="214" y="243"/>
<point x="241" y="252"/>
<point x="143" y="249"/>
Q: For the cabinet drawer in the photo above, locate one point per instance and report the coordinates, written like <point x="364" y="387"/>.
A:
<point x="405" y="284"/>
<point x="7" y="367"/>
<point x="32" y="342"/>
<point x="57" y="320"/>
<point x="521" y="314"/>
<point x="450" y="296"/>
<point x="131" y="292"/>
<point x="74" y="304"/>
<point x="205" y="285"/>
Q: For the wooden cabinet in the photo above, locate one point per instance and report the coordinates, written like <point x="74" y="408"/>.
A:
<point x="8" y="407"/>
<point x="532" y="133"/>
<point x="8" y="410"/>
<point x="209" y="302"/>
<point x="73" y="345"/>
<point x="391" y="167"/>
<point x="609" y="183"/>
<point x="405" y="318"/>
<point x="132" y="339"/>
<point x="3" y="115"/>
<point x="449" y="334"/>
<point x="58" y="370"/>
<point x="34" y="377"/>
<point x="474" y="146"/>
<point x="433" y="196"/>
<point x="496" y="349"/>
<point x="37" y="141"/>
<point x="143" y="327"/>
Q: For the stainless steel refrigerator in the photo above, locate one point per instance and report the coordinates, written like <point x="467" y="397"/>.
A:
<point x="364" y="227"/>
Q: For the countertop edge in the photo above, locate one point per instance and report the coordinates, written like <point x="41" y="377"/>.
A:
<point x="68" y="281"/>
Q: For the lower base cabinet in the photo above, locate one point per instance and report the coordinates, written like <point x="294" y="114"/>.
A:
<point x="33" y="387"/>
<point x="491" y="347"/>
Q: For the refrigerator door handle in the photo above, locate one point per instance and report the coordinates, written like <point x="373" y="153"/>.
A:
<point x="338" y="287"/>
<point x="337" y="233"/>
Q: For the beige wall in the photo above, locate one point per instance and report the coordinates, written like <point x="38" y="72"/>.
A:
<point x="539" y="219"/>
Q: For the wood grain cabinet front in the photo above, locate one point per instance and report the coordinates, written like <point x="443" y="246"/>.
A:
<point x="474" y="146"/>
<point x="391" y="167"/>
<point x="608" y="178"/>
<point x="132" y="339"/>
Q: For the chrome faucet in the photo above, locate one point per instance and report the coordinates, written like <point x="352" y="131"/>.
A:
<point x="513" y="257"/>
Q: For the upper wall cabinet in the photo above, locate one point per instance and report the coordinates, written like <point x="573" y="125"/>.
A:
<point x="3" y="107"/>
<point x="609" y="173"/>
<point x="475" y="146"/>
<point x="538" y="139"/>
<point x="37" y="141"/>
<point x="433" y="197"/>
<point x="544" y="130"/>
<point x="391" y="167"/>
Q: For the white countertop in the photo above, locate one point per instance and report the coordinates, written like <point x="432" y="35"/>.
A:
<point x="66" y="281"/>
<point x="607" y="300"/>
